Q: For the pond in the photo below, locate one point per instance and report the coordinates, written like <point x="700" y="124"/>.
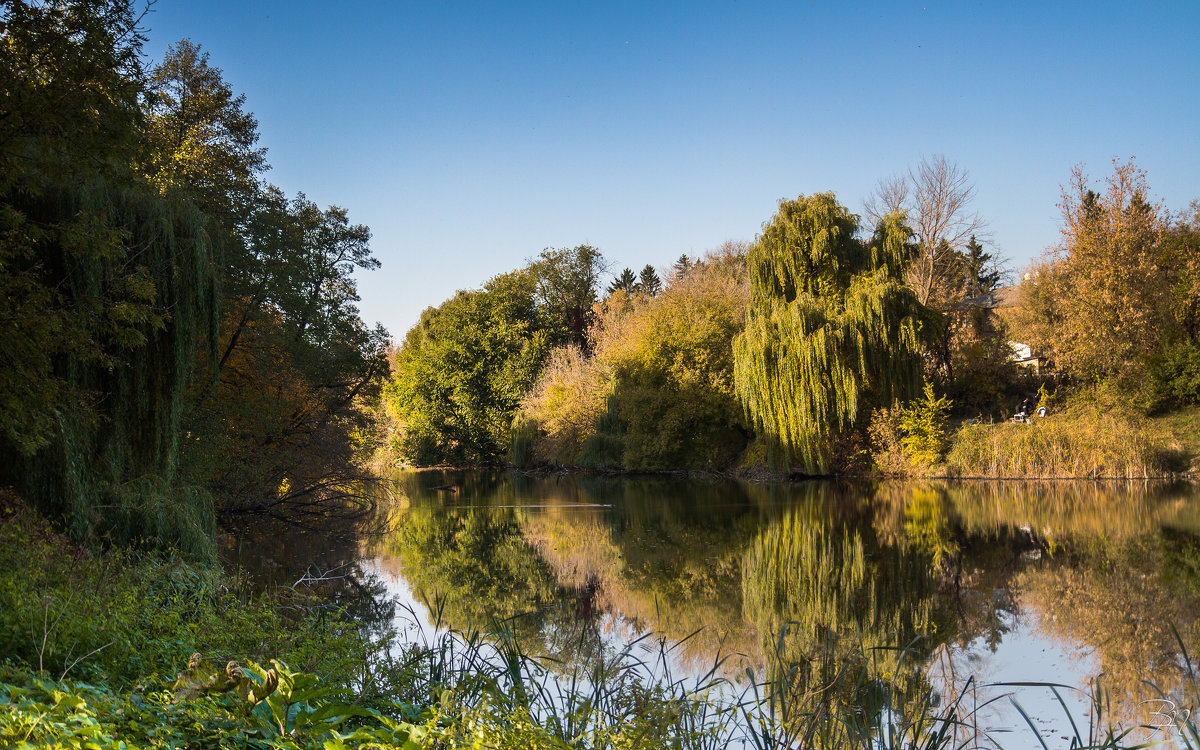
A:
<point x="983" y="583"/>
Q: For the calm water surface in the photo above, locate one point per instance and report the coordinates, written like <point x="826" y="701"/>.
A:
<point x="987" y="582"/>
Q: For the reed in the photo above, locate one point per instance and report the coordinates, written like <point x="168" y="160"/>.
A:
<point x="1079" y="445"/>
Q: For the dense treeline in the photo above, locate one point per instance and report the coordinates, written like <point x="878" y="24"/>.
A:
<point x="656" y="391"/>
<point x="832" y="343"/>
<point x="176" y="333"/>
<point x="462" y="371"/>
<point x="781" y="350"/>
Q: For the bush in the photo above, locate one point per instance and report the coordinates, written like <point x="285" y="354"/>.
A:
<point x="1177" y="376"/>
<point x="660" y="378"/>
<point x="887" y="451"/>
<point x="923" y="423"/>
<point x="118" y="617"/>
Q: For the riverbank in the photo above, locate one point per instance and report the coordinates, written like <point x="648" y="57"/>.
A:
<point x="94" y="641"/>
<point x="1075" y="444"/>
<point x="117" y="649"/>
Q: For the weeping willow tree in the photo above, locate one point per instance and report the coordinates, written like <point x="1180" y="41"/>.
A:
<point x="831" y="328"/>
<point x="837" y="616"/>
<point x="106" y="286"/>
<point x="136" y="297"/>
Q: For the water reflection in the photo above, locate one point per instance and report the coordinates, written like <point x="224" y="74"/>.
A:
<point x="975" y="577"/>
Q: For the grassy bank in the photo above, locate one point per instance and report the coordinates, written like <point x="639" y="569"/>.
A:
<point x="1059" y="447"/>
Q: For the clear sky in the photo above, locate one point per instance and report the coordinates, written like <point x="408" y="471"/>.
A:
<point x="470" y="136"/>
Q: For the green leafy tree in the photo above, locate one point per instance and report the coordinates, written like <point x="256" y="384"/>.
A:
<point x="201" y="139"/>
<point x="463" y="369"/>
<point x="566" y="281"/>
<point x="832" y="328"/>
<point x="275" y="415"/>
<point x="279" y="413"/>
<point x="107" y="286"/>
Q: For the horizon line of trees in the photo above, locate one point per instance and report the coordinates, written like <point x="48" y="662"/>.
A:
<point x="810" y="348"/>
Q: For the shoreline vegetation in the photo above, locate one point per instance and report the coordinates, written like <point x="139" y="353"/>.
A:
<point x="215" y="662"/>
<point x="1072" y="447"/>
<point x="833" y="345"/>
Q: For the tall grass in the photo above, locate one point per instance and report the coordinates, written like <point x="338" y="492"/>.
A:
<point x="489" y="692"/>
<point x="1079" y="445"/>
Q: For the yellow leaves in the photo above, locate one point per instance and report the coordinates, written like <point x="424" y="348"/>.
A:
<point x="648" y="351"/>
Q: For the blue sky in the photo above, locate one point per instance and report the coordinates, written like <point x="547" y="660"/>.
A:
<point x="470" y="136"/>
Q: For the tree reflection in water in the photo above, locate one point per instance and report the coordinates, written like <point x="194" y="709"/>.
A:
<point x="786" y="576"/>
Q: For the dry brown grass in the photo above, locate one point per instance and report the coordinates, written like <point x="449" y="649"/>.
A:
<point x="1069" y="445"/>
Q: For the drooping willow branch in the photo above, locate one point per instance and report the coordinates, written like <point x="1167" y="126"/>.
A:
<point x="831" y="328"/>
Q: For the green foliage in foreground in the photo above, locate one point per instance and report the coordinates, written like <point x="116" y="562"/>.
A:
<point x="460" y="691"/>
<point x="119" y="618"/>
<point x="292" y="714"/>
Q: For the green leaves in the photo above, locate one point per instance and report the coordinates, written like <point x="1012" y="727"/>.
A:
<point x="831" y="329"/>
<point x="923" y="423"/>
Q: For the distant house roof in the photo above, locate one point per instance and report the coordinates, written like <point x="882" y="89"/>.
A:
<point x="1008" y="296"/>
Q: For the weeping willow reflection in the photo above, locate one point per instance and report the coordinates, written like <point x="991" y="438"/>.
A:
<point x="811" y="577"/>
<point x="846" y="623"/>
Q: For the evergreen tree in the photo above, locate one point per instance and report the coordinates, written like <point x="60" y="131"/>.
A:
<point x="626" y="282"/>
<point x="649" y="282"/>
<point x="980" y="276"/>
<point x="683" y="265"/>
<point x="831" y="328"/>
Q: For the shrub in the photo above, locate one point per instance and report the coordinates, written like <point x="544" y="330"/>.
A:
<point x="1177" y="376"/>
<point x="118" y="617"/>
<point x="660" y="378"/>
<point x="565" y="404"/>
<point x="887" y="451"/>
<point x="923" y="424"/>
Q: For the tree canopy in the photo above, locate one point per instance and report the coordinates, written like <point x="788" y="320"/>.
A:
<point x="832" y="328"/>
<point x="153" y="290"/>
